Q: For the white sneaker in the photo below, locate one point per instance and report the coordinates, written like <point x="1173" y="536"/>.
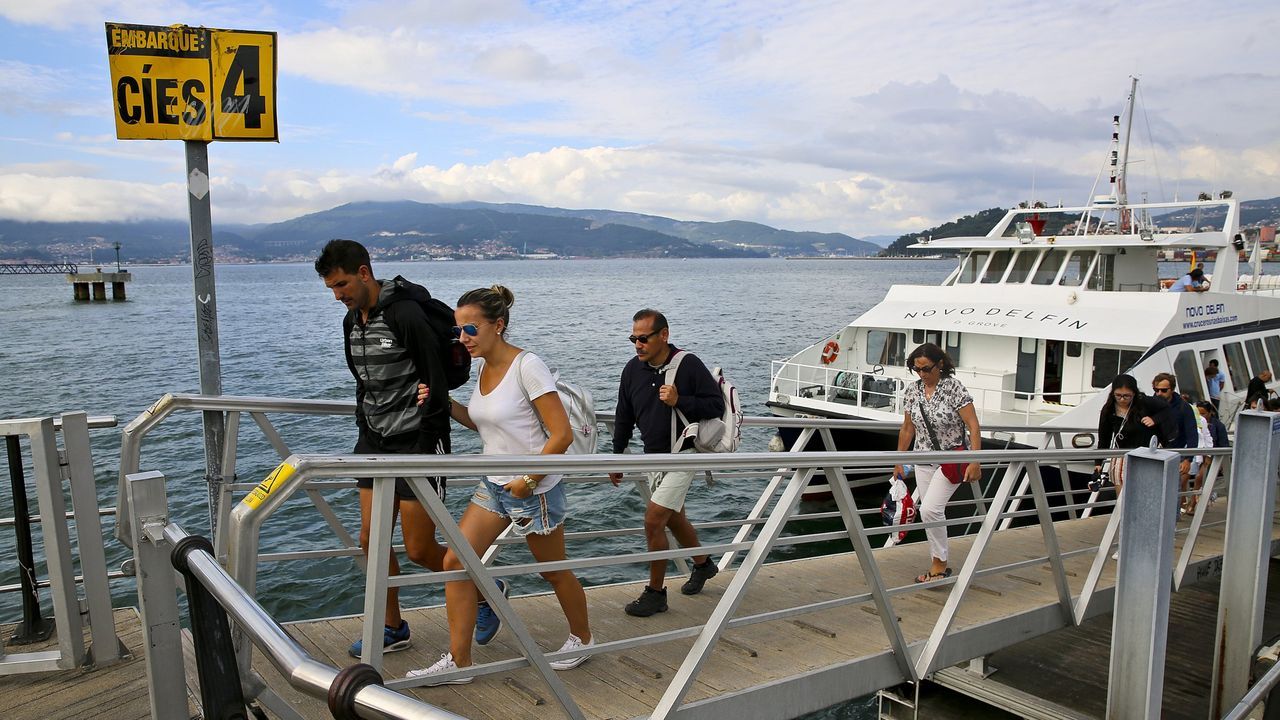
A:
<point x="443" y="665"/>
<point x="1115" y="555"/>
<point x="573" y="643"/>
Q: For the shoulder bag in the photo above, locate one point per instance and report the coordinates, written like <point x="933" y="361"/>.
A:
<point x="954" y="472"/>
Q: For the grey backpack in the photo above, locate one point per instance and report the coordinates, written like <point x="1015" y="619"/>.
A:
<point x="578" y="405"/>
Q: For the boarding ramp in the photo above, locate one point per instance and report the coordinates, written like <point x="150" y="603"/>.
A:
<point x="875" y="583"/>
<point x="66" y="539"/>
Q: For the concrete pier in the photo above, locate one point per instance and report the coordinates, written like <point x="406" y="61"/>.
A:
<point x="82" y="282"/>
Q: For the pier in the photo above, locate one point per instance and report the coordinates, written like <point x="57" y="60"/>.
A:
<point x="767" y="638"/>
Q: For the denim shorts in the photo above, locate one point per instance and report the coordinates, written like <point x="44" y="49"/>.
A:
<point x="539" y="514"/>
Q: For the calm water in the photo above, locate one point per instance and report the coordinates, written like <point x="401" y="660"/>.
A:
<point x="280" y="333"/>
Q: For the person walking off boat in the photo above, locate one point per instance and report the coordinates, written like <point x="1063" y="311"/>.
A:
<point x="647" y="401"/>
<point x="1214" y="379"/>
<point x="390" y="348"/>
<point x="1129" y="420"/>
<point x="937" y="411"/>
<point x="517" y="411"/>
<point x="1183" y="419"/>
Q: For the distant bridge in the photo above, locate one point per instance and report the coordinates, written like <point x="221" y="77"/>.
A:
<point x="38" y="268"/>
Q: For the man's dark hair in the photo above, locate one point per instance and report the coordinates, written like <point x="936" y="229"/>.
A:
<point x="1165" y="377"/>
<point x="659" y="320"/>
<point x="345" y="255"/>
<point x="1197" y="273"/>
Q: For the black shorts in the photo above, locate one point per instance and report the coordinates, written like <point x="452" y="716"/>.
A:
<point x="423" y="443"/>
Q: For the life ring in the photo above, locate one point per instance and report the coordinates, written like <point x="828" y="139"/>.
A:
<point x="830" y="352"/>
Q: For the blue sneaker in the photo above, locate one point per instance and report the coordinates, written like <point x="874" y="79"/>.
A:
<point x="487" y="621"/>
<point x="393" y="640"/>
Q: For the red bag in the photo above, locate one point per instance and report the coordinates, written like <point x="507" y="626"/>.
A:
<point x="955" y="471"/>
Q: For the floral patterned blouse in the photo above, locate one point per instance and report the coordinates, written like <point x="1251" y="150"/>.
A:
<point x="948" y="397"/>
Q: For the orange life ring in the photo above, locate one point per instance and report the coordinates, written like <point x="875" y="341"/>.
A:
<point x="830" y="352"/>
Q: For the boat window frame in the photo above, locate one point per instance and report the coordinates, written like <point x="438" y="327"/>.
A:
<point x="1085" y="273"/>
<point x="978" y="272"/>
<point x="1237" y="367"/>
<point x="1034" y="254"/>
<point x="1250" y="345"/>
<point x="1272" y="342"/>
<point x="1011" y="253"/>
<point x="1189" y="375"/>
<point x="1044" y="258"/>
<point x="870" y="344"/>
<point x="1115" y="366"/>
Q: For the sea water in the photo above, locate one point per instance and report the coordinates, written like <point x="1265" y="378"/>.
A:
<point x="280" y="334"/>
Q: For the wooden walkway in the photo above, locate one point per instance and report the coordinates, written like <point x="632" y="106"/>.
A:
<point x="775" y="656"/>
<point x="780" y="656"/>
<point x="114" y="692"/>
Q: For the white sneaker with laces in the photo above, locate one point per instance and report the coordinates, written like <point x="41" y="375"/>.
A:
<point x="573" y="643"/>
<point x="443" y="665"/>
<point x="1115" y="555"/>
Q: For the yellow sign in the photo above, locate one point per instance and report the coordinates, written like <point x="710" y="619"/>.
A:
<point x="259" y="494"/>
<point x="185" y="83"/>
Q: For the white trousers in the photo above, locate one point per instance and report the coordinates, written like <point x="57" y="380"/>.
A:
<point x="935" y="491"/>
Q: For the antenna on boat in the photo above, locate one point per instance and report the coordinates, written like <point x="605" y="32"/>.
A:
<point x="1122" y="197"/>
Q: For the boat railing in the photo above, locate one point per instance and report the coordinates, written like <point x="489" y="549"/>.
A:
<point x="72" y="466"/>
<point x="166" y="555"/>
<point x="877" y="390"/>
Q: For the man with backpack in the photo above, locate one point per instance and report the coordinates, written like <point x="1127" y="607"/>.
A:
<point x="662" y="390"/>
<point x="391" y="346"/>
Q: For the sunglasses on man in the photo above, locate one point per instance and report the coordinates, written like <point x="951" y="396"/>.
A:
<point x="642" y="339"/>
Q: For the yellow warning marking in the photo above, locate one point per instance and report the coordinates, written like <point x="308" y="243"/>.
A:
<point x="277" y="478"/>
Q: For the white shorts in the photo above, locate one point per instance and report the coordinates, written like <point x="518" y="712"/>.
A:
<point x="669" y="488"/>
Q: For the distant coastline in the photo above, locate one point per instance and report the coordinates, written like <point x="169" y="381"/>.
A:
<point x="864" y="257"/>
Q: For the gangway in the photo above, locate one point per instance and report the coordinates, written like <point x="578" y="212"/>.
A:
<point x="771" y="639"/>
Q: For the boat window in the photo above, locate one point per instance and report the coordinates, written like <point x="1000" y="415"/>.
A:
<point x="953" y="348"/>
<point x="1273" y="349"/>
<point x="1110" y="362"/>
<point x="1049" y="267"/>
<point x="1103" y="276"/>
<point x="1257" y="358"/>
<point x="1077" y="267"/>
<point x="1235" y="365"/>
<point x="995" y="269"/>
<point x="1188" y="374"/>
<point x="1022" y="264"/>
<point x="886" y="348"/>
<point x="972" y="266"/>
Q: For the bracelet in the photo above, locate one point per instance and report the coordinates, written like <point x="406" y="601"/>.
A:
<point x="529" y="482"/>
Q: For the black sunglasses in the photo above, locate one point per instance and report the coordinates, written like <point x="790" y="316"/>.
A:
<point x="923" y="370"/>
<point x="1162" y="390"/>
<point x="642" y="339"/>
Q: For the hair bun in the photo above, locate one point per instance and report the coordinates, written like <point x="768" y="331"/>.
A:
<point x="508" y="297"/>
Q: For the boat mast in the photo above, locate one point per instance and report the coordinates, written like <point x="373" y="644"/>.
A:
<point x="1122" y="197"/>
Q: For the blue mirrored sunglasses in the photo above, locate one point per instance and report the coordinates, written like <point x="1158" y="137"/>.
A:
<point x="469" y="328"/>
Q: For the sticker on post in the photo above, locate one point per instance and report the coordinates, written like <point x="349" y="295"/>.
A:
<point x="277" y="478"/>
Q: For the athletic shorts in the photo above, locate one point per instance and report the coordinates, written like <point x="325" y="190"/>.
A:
<point x="423" y="443"/>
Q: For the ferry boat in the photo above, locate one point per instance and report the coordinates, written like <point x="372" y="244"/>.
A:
<point x="1042" y="313"/>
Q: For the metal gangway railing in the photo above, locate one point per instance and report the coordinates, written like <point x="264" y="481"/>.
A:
<point x="71" y="466"/>
<point x="789" y="472"/>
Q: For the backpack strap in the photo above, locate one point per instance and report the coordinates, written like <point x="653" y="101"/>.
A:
<point x="670" y="370"/>
<point x="516" y="365"/>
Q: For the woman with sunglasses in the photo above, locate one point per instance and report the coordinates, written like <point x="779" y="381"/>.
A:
<point x="517" y="411"/>
<point x="1128" y="420"/>
<point x="937" y="411"/>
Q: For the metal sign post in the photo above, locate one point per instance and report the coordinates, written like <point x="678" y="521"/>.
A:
<point x="196" y="84"/>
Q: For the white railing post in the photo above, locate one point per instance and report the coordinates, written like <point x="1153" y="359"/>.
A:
<point x="1246" y="548"/>
<point x="1140" y="621"/>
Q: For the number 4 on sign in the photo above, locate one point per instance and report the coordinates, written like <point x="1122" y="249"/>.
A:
<point x="245" y="69"/>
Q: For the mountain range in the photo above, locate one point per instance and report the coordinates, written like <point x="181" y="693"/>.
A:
<point x="406" y="229"/>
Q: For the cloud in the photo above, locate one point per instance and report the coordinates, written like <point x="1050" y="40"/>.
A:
<point x="31" y="197"/>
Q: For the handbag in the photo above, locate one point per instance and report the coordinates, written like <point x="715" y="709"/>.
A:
<point x="897" y="509"/>
<point x="954" y="472"/>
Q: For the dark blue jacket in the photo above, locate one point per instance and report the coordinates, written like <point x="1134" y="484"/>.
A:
<point x="1184" y="418"/>
<point x="639" y="406"/>
<point x="1219" y="433"/>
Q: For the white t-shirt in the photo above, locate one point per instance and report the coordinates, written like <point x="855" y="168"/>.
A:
<point x="508" y="425"/>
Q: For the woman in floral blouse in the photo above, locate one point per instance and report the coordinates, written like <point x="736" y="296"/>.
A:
<point x="937" y="410"/>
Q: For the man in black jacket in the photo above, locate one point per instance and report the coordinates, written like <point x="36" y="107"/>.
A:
<point x="1183" y="416"/>
<point x="390" y="348"/>
<point x="646" y="401"/>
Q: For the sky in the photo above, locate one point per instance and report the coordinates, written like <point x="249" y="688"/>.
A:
<point x="867" y="118"/>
